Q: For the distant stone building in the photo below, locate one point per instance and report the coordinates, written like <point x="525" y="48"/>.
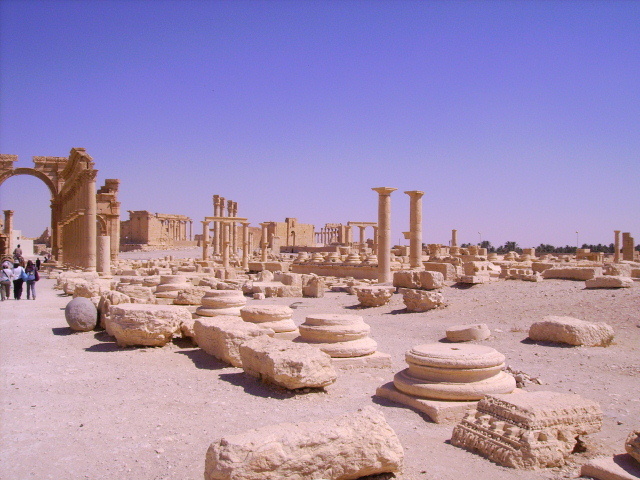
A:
<point x="289" y="233"/>
<point x="155" y="230"/>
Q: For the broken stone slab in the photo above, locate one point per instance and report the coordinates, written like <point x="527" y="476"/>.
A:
<point x="572" y="273"/>
<point x="421" y="300"/>
<point x="343" y="448"/>
<point x="468" y="333"/>
<point x="572" y="331"/>
<point x="146" y="325"/>
<point x="137" y="293"/>
<point x="289" y="365"/>
<point x="418" y="279"/>
<point x="529" y="430"/>
<point x="620" y="467"/>
<point x="609" y="281"/>
<point x="191" y="296"/>
<point x="222" y="336"/>
<point x="106" y="300"/>
<point x="473" y="279"/>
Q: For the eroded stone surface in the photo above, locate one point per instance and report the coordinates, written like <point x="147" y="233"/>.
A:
<point x="146" y="325"/>
<point x="81" y="314"/>
<point x="106" y="300"/>
<point x="632" y="445"/>
<point x="347" y="447"/>
<point x="572" y="331"/>
<point x="289" y="365"/>
<point x="529" y="430"/>
<point x="572" y="273"/>
<point x="222" y="336"/>
<point x="421" y="300"/>
<point x="374" y="296"/>
<point x="221" y="302"/>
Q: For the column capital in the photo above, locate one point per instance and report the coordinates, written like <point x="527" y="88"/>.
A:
<point x="415" y="193"/>
<point x="384" y="190"/>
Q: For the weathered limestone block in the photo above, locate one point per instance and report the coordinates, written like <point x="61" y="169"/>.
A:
<point x="276" y="317"/>
<point x="460" y="372"/>
<point x="191" y="296"/>
<point x="81" y="314"/>
<point x="170" y="285"/>
<point x="289" y="365"/>
<point x="468" y="333"/>
<point x="71" y="276"/>
<point x="107" y="299"/>
<point x="93" y="288"/>
<point x="529" y="430"/>
<point x="609" y="281"/>
<point x="421" y="300"/>
<point x="448" y="270"/>
<point x="137" y="293"/>
<point x="418" y="279"/>
<point x="294" y="279"/>
<point x="339" y="336"/>
<point x="222" y="336"/>
<point x="572" y="331"/>
<point x="70" y="284"/>
<point x="221" y="302"/>
<point x="572" y="273"/>
<point x="146" y="325"/>
<point x="348" y="447"/>
<point x="374" y="296"/>
<point x="151" y="281"/>
<point x="473" y="279"/>
<point x="481" y="269"/>
<point x="618" y="269"/>
<point x="313" y="286"/>
<point x="632" y="445"/>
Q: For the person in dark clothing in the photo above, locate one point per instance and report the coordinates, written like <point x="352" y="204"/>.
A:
<point x="18" y="280"/>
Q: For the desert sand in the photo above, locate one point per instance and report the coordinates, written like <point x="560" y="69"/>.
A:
<point x="76" y="406"/>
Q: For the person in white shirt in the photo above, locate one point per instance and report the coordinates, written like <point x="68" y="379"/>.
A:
<point x="6" y="277"/>
<point x="18" y="280"/>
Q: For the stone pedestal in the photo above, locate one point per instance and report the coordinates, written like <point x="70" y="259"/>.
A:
<point x="170" y="285"/>
<point x="275" y="317"/>
<point x="443" y="380"/>
<point x="222" y="302"/>
<point x="103" y="254"/>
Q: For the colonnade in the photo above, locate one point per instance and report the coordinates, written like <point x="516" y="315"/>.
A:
<point x="227" y="240"/>
<point x="384" y="231"/>
<point x="227" y="209"/>
<point x="176" y="229"/>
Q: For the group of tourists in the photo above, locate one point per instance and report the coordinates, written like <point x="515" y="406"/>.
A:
<point x="18" y="274"/>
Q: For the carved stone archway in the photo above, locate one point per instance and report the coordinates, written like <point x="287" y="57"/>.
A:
<point x="74" y="204"/>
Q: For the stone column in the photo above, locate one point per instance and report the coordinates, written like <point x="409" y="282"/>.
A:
<point x="362" y="236"/>
<point x="90" y="218"/>
<point x="216" y="224"/>
<point x="225" y="244"/>
<point x="375" y="238"/>
<point x="616" y="251"/>
<point x="8" y="230"/>
<point x="384" y="233"/>
<point x="627" y="246"/>
<point x="263" y="242"/>
<point x="415" y="228"/>
<point x="245" y="245"/>
<point x="234" y="230"/>
<point x="103" y="253"/>
<point x="454" y="238"/>
<point x="205" y="240"/>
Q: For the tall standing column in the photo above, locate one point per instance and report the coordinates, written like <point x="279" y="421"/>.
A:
<point x="225" y="244"/>
<point x="8" y="230"/>
<point x="245" y="245"/>
<point x="362" y="230"/>
<point x="415" y="228"/>
<point x="205" y="240"/>
<point x="454" y="238"/>
<point x="90" y="219"/>
<point x="384" y="233"/>
<point x="616" y="252"/>
<point x="216" y="224"/>
<point x="234" y="230"/>
<point x="263" y="242"/>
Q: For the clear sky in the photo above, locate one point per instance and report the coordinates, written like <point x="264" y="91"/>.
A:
<point x="519" y="120"/>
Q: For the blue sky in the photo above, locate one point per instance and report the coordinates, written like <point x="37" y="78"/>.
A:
<point x="519" y="120"/>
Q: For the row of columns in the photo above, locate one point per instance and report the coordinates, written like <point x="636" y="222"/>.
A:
<point x="224" y="208"/>
<point x="384" y="231"/>
<point x="225" y="226"/>
<point x="177" y="229"/>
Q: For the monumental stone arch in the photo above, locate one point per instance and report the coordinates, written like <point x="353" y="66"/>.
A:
<point x="81" y="217"/>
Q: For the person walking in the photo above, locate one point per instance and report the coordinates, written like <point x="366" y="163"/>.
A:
<point x="17" y="253"/>
<point x="18" y="280"/>
<point x="32" y="278"/>
<point x="6" y="276"/>
<point x="38" y="263"/>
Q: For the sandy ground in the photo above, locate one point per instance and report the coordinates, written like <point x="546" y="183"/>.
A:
<point x="75" y="406"/>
